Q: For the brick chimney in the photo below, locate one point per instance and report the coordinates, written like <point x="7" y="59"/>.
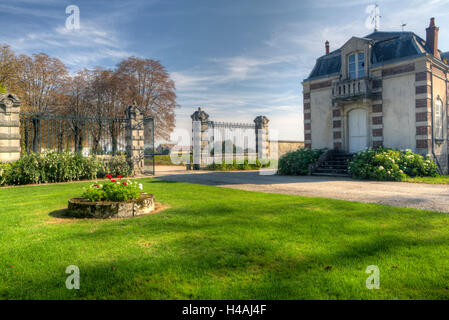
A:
<point x="327" y="47"/>
<point x="432" y="38"/>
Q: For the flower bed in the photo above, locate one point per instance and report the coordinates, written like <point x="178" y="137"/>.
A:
<point x="113" y="199"/>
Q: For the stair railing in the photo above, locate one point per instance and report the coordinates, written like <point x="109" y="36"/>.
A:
<point x="323" y="158"/>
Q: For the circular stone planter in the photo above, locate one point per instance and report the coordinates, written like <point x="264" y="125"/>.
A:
<point x="82" y="208"/>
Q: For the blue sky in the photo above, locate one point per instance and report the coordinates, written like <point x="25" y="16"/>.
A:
<point x="237" y="59"/>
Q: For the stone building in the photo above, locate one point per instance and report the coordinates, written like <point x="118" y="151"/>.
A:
<point x="386" y="89"/>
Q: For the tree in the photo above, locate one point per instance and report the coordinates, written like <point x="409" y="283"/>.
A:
<point x="8" y="69"/>
<point x="147" y="83"/>
<point x="77" y="106"/>
<point x="41" y="80"/>
<point x="106" y="90"/>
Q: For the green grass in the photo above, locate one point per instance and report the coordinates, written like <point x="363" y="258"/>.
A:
<point x="164" y="160"/>
<point x="430" y="180"/>
<point x="215" y="243"/>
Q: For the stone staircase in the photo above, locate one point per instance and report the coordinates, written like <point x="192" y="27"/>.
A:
<point x="334" y="165"/>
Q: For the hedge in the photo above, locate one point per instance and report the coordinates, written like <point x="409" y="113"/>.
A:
<point x="297" y="162"/>
<point x="52" y="166"/>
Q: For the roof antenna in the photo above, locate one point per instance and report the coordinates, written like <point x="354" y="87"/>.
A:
<point x="376" y="17"/>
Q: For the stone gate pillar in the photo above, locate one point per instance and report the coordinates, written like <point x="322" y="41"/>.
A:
<point x="9" y="127"/>
<point x="200" y="139"/>
<point x="135" y="146"/>
<point x="262" y="143"/>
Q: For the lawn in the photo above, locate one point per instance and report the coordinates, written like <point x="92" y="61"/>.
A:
<point x="164" y="160"/>
<point x="430" y="180"/>
<point x="215" y="243"/>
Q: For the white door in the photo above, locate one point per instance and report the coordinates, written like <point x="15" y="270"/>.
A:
<point x="358" y="137"/>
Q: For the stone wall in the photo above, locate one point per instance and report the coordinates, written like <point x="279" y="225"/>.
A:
<point x="9" y="128"/>
<point x="287" y="146"/>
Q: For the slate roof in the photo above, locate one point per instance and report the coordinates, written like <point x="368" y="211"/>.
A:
<point x="388" y="47"/>
<point x="327" y="65"/>
<point x="445" y="55"/>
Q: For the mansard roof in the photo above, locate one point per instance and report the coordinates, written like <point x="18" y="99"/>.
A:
<point x="445" y="55"/>
<point x="387" y="47"/>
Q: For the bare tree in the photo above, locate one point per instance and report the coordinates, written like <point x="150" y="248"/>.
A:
<point x="147" y="83"/>
<point x="41" y="80"/>
<point x="77" y="106"/>
<point x="107" y="104"/>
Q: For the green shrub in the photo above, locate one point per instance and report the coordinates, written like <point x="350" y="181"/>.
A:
<point x="68" y="166"/>
<point x="297" y="162"/>
<point x="238" y="166"/>
<point x="92" y="167"/>
<point x="113" y="190"/>
<point x="4" y="172"/>
<point x="116" y="166"/>
<point x="415" y="165"/>
<point x="3" y="89"/>
<point x="26" y="170"/>
<point x="50" y="167"/>
<point x="383" y="164"/>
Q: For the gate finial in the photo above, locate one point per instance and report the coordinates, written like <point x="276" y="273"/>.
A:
<point x="200" y="115"/>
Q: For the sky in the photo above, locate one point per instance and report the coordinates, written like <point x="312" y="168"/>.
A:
<point x="236" y="59"/>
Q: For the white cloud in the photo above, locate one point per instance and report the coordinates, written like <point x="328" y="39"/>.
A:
<point x="77" y="48"/>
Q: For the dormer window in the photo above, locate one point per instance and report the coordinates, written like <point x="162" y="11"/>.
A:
<point x="356" y="65"/>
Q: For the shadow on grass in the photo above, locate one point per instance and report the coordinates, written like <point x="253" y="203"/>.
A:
<point x="60" y="214"/>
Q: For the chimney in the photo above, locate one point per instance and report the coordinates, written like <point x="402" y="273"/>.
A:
<point x="327" y="47"/>
<point x="432" y="38"/>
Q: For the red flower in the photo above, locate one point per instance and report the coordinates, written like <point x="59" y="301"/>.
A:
<point x="112" y="180"/>
<point x="119" y="176"/>
<point x="96" y="186"/>
<point x="109" y="176"/>
<point x="124" y="183"/>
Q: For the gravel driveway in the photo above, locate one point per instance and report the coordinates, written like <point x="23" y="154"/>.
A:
<point x="400" y="194"/>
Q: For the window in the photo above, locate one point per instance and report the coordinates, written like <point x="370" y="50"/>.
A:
<point x="356" y="65"/>
<point x="439" y="119"/>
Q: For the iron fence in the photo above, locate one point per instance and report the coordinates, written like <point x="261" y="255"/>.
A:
<point x="149" y="147"/>
<point x="89" y="136"/>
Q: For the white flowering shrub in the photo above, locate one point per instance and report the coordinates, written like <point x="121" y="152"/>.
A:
<point x="4" y="170"/>
<point x="390" y="165"/>
<point x="51" y="166"/>
<point x="415" y="165"/>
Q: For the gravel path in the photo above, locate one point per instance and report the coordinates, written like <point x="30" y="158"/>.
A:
<point x="400" y="194"/>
